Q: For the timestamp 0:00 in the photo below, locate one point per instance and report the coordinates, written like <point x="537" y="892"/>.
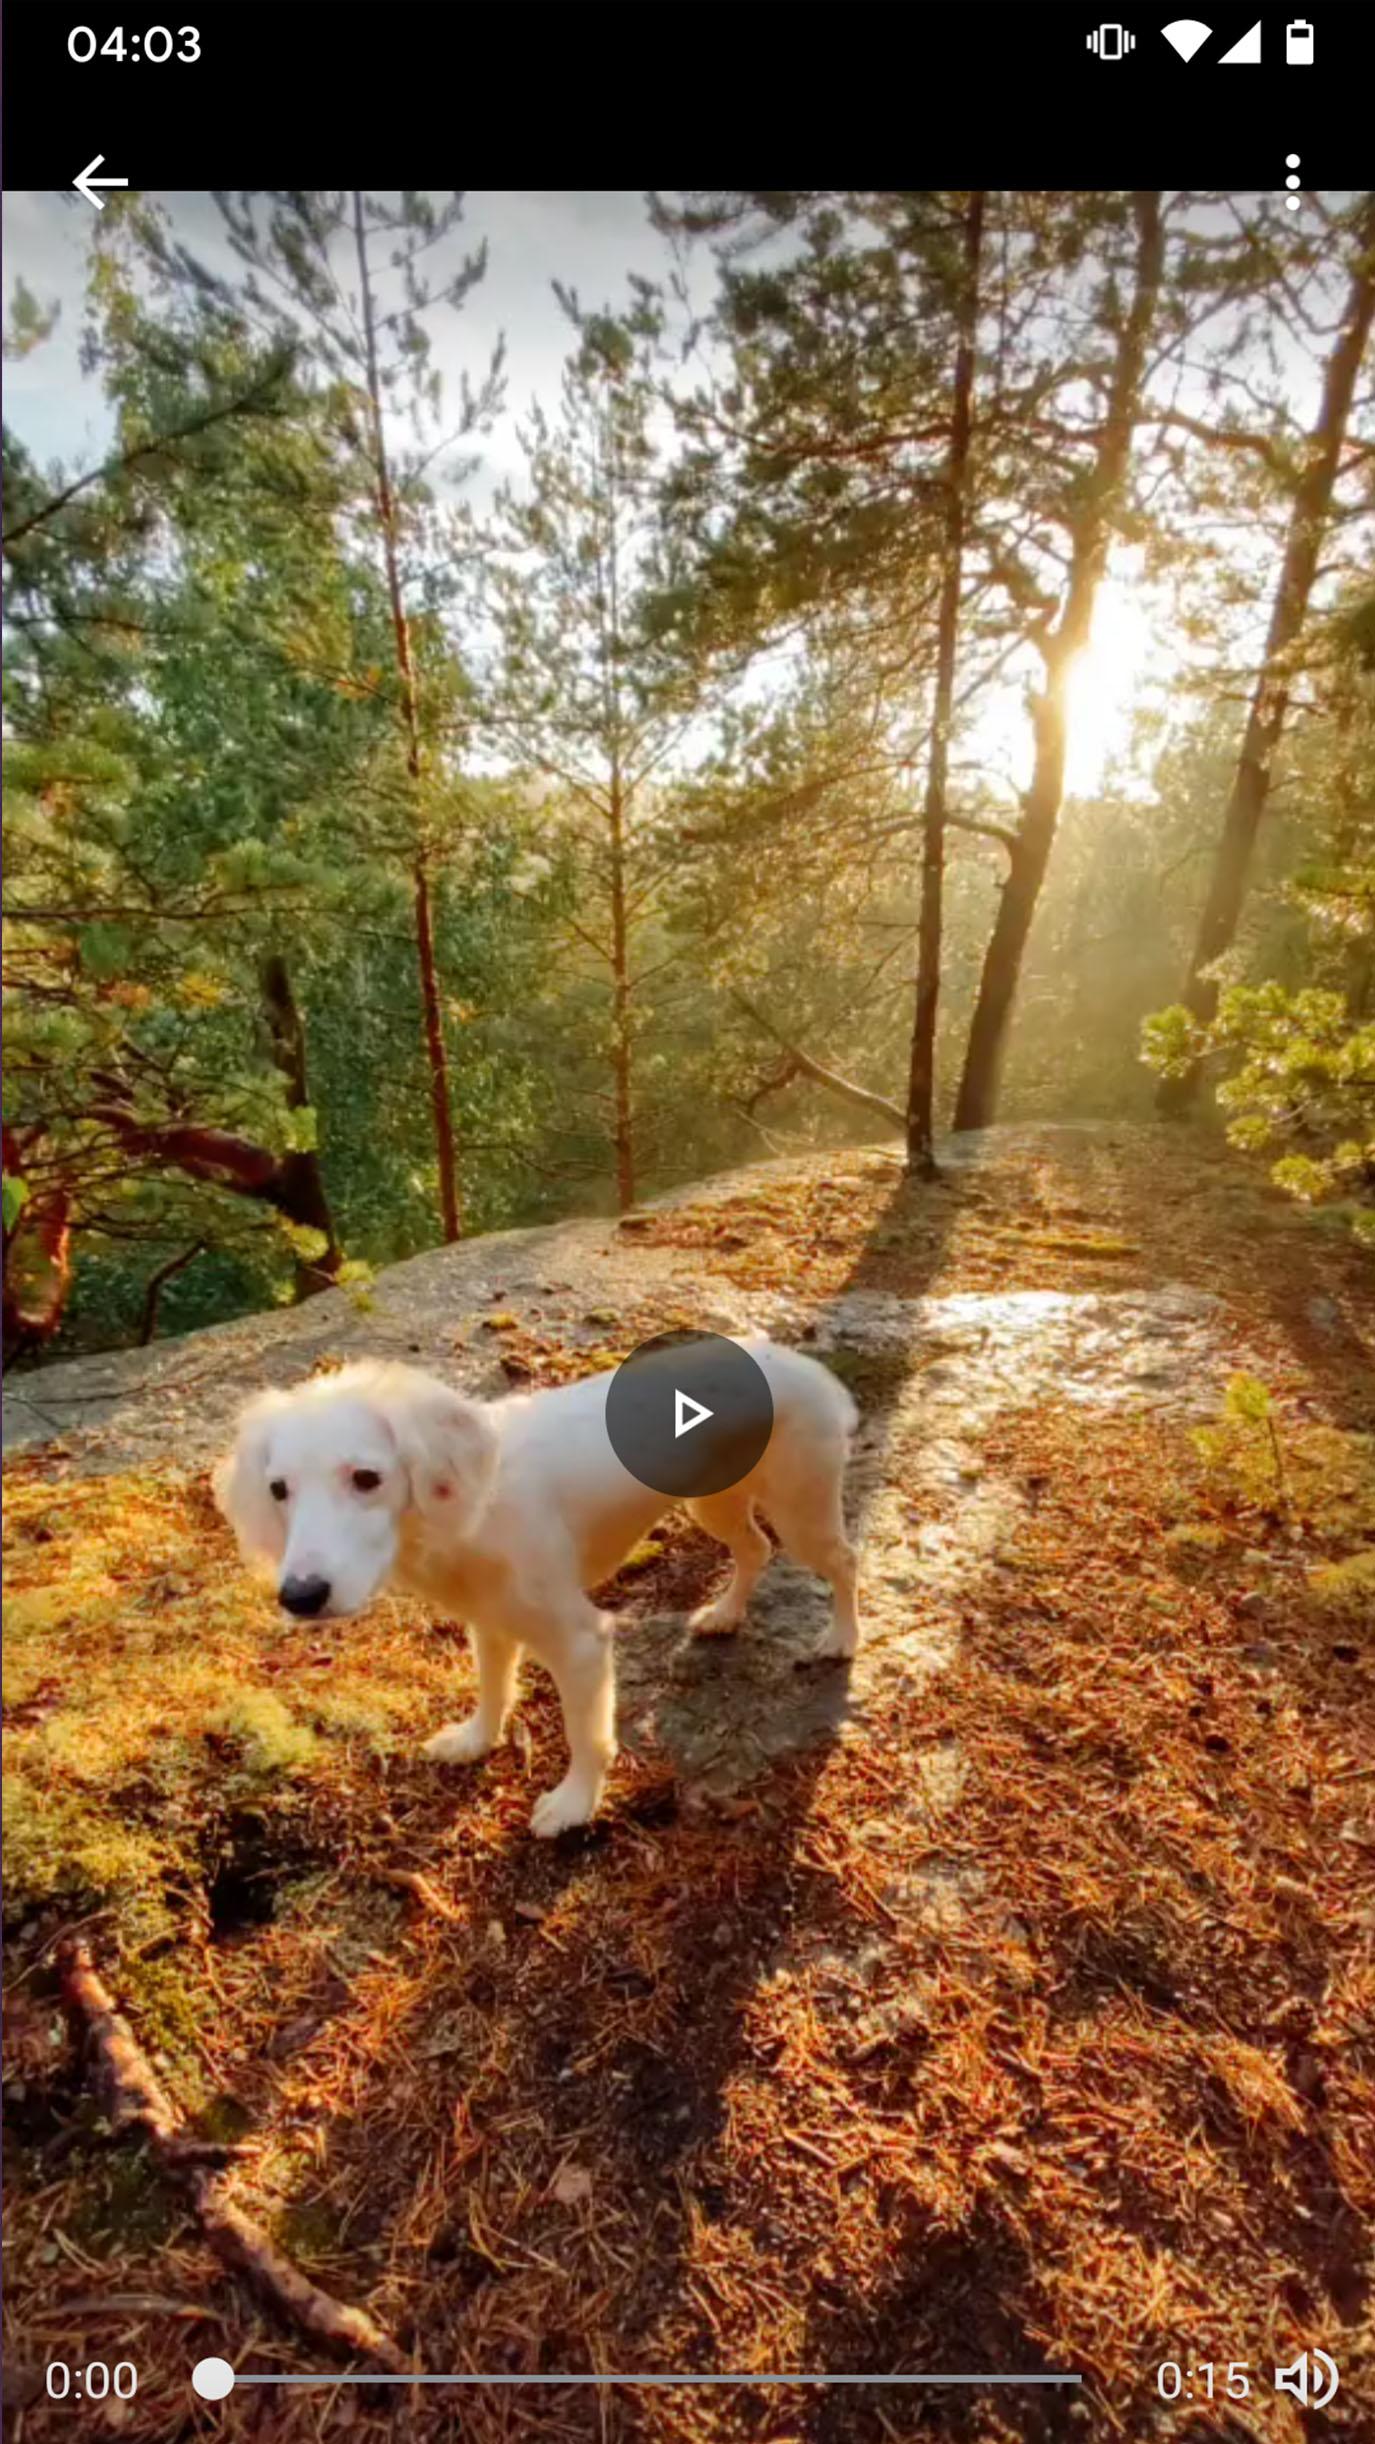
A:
<point x="1171" y="2380"/>
<point x="92" y="2382"/>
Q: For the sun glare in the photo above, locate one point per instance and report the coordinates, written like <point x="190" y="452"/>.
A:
<point x="1128" y="658"/>
<point x="1107" y="683"/>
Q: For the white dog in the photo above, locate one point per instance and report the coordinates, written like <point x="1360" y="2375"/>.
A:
<point x="506" y="1514"/>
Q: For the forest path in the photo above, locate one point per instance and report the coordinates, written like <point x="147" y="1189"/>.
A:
<point x="1071" y="1208"/>
<point x="1001" y="2002"/>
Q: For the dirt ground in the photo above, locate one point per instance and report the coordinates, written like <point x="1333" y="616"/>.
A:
<point x="1005" y="2003"/>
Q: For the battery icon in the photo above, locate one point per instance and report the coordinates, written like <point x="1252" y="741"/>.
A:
<point x="1298" y="43"/>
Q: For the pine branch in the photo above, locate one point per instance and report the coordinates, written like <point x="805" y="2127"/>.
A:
<point x="985" y="829"/>
<point x="817" y="1070"/>
<point x="244" y="404"/>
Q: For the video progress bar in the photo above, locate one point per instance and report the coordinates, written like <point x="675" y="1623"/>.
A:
<point x="611" y="2377"/>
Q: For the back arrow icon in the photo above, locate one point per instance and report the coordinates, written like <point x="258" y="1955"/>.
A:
<point x="687" y="1414"/>
<point x="87" y="183"/>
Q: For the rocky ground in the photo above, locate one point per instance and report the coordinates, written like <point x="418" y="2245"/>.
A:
<point x="1003" y="2002"/>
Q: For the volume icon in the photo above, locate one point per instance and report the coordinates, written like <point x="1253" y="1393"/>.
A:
<point x="1309" y="2378"/>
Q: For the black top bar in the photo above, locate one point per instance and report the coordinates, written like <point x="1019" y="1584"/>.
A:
<point x="435" y="93"/>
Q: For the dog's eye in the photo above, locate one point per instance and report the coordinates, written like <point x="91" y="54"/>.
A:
<point x="366" y="1480"/>
<point x="277" y="1489"/>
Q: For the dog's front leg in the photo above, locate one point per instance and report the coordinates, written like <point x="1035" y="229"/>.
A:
<point x="498" y="1670"/>
<point x="578" y="1654"/>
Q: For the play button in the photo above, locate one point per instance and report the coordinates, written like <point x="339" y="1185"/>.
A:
<point x="689" y="1414"/>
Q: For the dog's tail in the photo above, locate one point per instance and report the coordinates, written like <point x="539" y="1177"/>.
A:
<point x="833" y="1397"/>
<point x="842" y="1398"/>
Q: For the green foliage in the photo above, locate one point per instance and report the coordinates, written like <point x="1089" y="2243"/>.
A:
<point x="1243" y="1450"/>
<point x="273" y="1742"/>
<point x="1295" y="1051"/>
<point x="595" y="716"/>
<point x="1304" y="1072"/>
<point x="29" y="323"/>
<point x="1301" y="1076"/>
<point x="1192" y="1548"/>
<point x="1346" y="1589"/>
<point x="711" y="614"/>
<point x="1171" y="1041"/>
<point x="54" y="1846"/>
<point x="202" y="763"/>
<point x="1320" y="1479"/>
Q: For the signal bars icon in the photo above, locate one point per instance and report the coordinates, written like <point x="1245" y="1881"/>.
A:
<point x="1111" y="41"/>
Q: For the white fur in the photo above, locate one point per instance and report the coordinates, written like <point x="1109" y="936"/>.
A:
<point x="506" y="1514"/>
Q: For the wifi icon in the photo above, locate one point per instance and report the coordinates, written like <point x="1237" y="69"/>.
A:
<point x="1186" y="35"/>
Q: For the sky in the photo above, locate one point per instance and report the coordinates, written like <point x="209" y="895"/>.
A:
<point x="590" y="240"/>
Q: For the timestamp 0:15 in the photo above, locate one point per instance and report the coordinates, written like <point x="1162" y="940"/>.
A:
<point x="1173" y="2382"/>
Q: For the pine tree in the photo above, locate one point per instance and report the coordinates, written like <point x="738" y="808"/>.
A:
<point x="130" y="1065"/>
<point x="1292" y="1038"/>
<point x="1088" y="507"/>
<point x="921" y="1076"/>
<point x="816" y="482"/>
<point x="342" y="274"/>
<point x="1313" y="489"/>
<point x="579" y="698"/>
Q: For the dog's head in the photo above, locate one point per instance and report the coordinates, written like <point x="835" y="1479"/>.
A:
<point x="320" y="1480"/>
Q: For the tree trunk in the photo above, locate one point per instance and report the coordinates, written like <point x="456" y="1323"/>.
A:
<point x="157" y="1283"/>
<point x="301" y="1186"/>
<point x="620" y="1006"/>
<point x="37" y="1260"/>
<point x="440" y="1106"/>
<point x="1090" y="535"/>
<point x="921" y="1084"/>
<point x="436" y="1056"/>
<point x="38" y="1269"/>
<point x="1270" y="698"/>
<point x="976" y="1103"/>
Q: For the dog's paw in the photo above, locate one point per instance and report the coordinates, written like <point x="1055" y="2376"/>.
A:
<point x="569" y="1803"/>
<point x="838" y="1644"/>
<point x="718" y="1620"/>
<point x="457" y="1744"/>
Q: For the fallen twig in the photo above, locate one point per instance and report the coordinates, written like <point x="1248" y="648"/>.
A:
<point x="133" y="2098"/>
<point x="408" y="1879"/>
<point x="124" y="2304"/>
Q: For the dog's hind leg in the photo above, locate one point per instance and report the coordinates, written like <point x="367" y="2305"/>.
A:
<point x="498" y="1671"/>
<point x="811" y="1528"/>
<point x="730" y="1518"/>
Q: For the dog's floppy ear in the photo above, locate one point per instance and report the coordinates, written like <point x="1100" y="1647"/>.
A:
<point x="240" y="1483"/>
<point x="448" y="1447"/>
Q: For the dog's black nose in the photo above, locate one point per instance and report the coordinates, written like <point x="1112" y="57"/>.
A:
<point x="304" y="1596"/>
